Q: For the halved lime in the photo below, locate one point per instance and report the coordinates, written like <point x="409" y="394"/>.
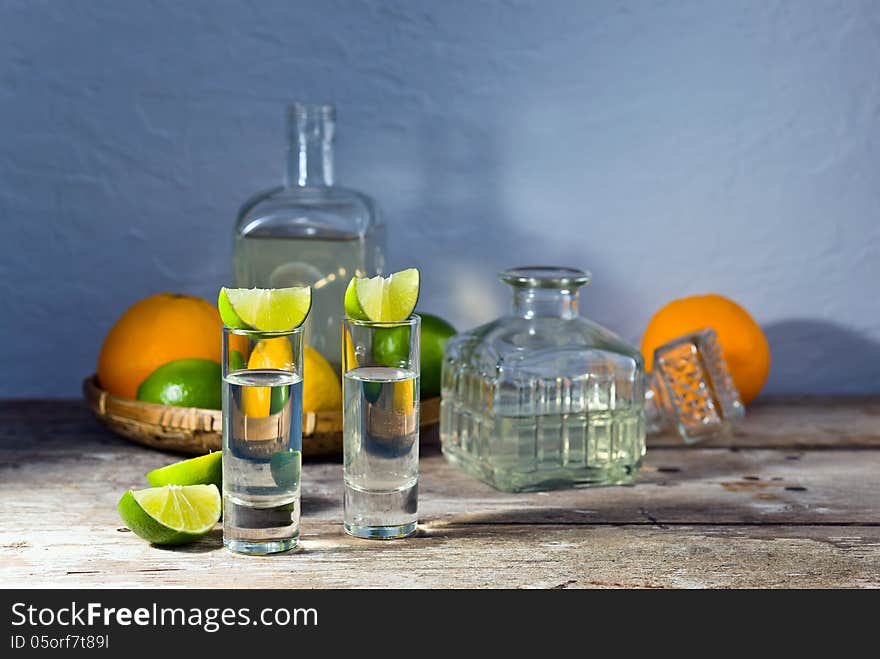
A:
<point x="171" y="515"/>
<point x="203" y="470"/>
<point x="265" y="309"/>
<point x="383" y="299"/>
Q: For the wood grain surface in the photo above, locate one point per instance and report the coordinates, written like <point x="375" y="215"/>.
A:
<point x="791" y="500"/>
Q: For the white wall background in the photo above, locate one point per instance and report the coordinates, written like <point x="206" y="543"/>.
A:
<point x="671" y="147"/>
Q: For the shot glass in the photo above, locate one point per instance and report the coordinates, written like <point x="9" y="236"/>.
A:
<point x="381" y="427"/>
<point x="262" y="439"/>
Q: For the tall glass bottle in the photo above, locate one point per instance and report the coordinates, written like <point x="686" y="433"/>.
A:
<point x="309" y="231"/>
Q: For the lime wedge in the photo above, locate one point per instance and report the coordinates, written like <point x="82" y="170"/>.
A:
<point x="351" y="304"/>
<point x="387" y="299"/>
<point x="227" y="313"/>
<point x="203" y="470"/>
<point x="171" y="515"/>
<point x="264" y="309"/>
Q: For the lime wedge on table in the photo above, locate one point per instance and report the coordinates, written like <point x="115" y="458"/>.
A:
<point x="203" y="470"/>
<point x="171" y="515"/>
<point x="383" y="299"/>
<point x="264" y="309"/>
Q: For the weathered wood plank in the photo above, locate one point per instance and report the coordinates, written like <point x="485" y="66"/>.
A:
<point x="468" y="557"/>
<point x="697" y="517"/>
<point x="698" y="486"/>
<point x="804" y="422"/>
<point x="668" y="530"/>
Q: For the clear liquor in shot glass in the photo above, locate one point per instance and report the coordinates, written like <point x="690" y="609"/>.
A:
<point x="262" y="439"/>
<point x="381" y="427"/>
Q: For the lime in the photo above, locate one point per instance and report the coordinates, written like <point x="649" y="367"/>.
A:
<point x="265" y="309"/>
<point x="236" y="360"/>
<point x="185" y="383"/>
<point x="351" y="304"/>
<point x="173" y="514"/>
<point x="435" y="333"/>
<point x="280" y="396"/>
<point x="285" y="467"/>
<point x="372" y="390"/>
<point x="203" y="470"/>
<point x="227" y="313"/>
<point x="387" y="299"/>
<point x="391" y="346"/>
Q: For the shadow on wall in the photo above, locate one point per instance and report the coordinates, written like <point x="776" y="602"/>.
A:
<point x="816" y="356"/>
<point x="466" y="179"/>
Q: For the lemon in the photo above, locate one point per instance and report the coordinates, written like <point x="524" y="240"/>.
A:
<point x="185" y="383"/>
<point x="321" y="388"/>
<point x="272" y="353"/>
<point x="404" y="396"/>
<point x="322" y="391"/>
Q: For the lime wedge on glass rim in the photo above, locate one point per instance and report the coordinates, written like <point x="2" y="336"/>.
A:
<point x="173" y="514"/>
<point x="203" y="470"/>
<point x="383" y="299"/>
<point x="264" y="309"/>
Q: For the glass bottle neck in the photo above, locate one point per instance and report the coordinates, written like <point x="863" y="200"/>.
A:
<point x="310" y="145"/>
<point x="553" y="302"/>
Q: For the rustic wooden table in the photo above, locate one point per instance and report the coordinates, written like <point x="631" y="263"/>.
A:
<point x="792" y="500"/>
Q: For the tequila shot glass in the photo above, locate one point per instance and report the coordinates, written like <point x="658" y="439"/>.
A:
<point x="380" y="430"/>
<point x="262" y="439"/>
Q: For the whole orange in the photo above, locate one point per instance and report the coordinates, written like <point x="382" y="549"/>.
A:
<point x="155" y="331"/>
<point x="743" y="343"/>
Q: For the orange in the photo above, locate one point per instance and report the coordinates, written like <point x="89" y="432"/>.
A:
<point x="157" y="330"/>
<point x="743" y="343"/>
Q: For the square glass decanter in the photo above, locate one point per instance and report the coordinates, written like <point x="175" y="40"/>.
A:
<point x="543" y="398"/>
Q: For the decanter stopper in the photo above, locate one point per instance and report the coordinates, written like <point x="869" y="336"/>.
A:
<point x="691" y="390"/>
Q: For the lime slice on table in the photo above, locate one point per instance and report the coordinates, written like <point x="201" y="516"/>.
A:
<point x="171" y="515"/>
<point x="203" y="470"/>
<point x="264" y="309"/>
<point x="383" y="299"/>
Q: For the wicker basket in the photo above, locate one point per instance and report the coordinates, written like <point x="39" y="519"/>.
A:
<point x="197" y="431"/>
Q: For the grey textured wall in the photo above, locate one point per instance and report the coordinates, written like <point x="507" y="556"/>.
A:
<point x="671" y="147"/>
